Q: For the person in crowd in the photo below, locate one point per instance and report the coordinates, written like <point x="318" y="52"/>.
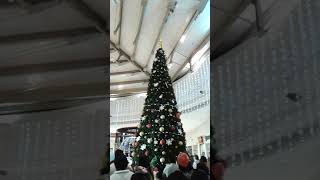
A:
<point x="199" y="175"/>
<point x="195" y="162"/>
<point x="158" y="172"/>
<point x="203" y="167"/>
<point x="203" y="159"/>
<point x="184" y="164"/>
<point x="177" y="175"/>
<point x="144" y="161"/>
<point x="171" y="166"/>
<point x="117" y="154"/>
<point x="140" y="176"/>
<point x="122" y="172"/>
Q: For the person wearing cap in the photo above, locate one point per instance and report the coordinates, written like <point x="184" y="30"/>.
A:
<point x="185" y="165"/>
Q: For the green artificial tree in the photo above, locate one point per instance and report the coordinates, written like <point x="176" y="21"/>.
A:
<point x="160" y="130"/>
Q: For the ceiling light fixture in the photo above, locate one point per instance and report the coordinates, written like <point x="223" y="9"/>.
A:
<point x="142" y="95"/>
<point x="183" y="38"/>
<point x="170" y="65"/>
<point x="113" y="99"/>
<point x="120" y="86"/>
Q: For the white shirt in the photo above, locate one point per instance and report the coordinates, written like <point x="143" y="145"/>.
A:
<point x="121" y="175"/>
<point x="195" y="163"/>
<point x="170" y="168"/>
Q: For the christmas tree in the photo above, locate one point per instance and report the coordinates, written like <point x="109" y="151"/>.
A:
<point x="160" y="130"/>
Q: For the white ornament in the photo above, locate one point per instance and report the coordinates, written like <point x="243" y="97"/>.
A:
<point x="180" y="143"/>
<point x="154" y="71"/>
<point x="138" y="126"/>
<point x="161" y="129"/>
<point x="155" y="84"/>
<point x="162" y="160"/>
<point x="143" y="147"/>
<point x="170" y="110"/>
<point x="143" y="118"/>
<point x="163" y="153"/>
<point x="155" y="142"/>
<point x="173" y="101"/>
<point x="179" y="123"/>
<point x="138" y="138"/>
<point x="169" y="142"/>
<point x="156" y="149"/>
<point x="179" y="130"/>
<point x="162" y="117"/>
<point x="141" y="133"/>
<point x="156" y="121"/>
<point x="161" y="96"/>
<point x="161" y="107"/>
<point x="133" y="154"/>
<point x="149" y="140"/>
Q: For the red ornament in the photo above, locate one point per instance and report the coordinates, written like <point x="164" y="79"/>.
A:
<point x="173" y="128"/>
<point x="178" y="114"/>
<point x="148" y="126"/>
<point x="162" y="142"/>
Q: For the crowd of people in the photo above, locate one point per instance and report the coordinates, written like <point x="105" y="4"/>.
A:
<point x="181" y="167"/>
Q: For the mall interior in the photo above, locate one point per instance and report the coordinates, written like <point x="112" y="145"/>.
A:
<point x="75" y="74"/>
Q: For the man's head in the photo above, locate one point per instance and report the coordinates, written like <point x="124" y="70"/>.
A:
<point x="121" y="163"/>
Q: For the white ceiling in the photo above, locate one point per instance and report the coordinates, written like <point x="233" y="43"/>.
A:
<point x="160" y="19"/>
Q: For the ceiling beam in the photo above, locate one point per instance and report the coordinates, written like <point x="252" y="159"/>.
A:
<point x="87" y="12"/>
<point x="129" y="82"/>
<point x="188" y="60"/>
<point x="220" y="34"/>
<point x="124" y="73"/>
<point x="126" y="92"/>
<point x="54" y="66"/>
<point x="129" y="59"/>
<point x="118" y="28"/>
<point x="184" y="32"/>
<point x="164" y="20"/>
<point x="36" y="36"/>
<point x="119" y="61"/>
<point x="142" y="13"/>
<point x="53" y="93"/>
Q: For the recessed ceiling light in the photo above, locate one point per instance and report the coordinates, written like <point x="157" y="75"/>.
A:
<point x="142" y="95"/>
<point x="183" y="38"/>
<point x="120" y="86"/>
<point x="113" y="99"/>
